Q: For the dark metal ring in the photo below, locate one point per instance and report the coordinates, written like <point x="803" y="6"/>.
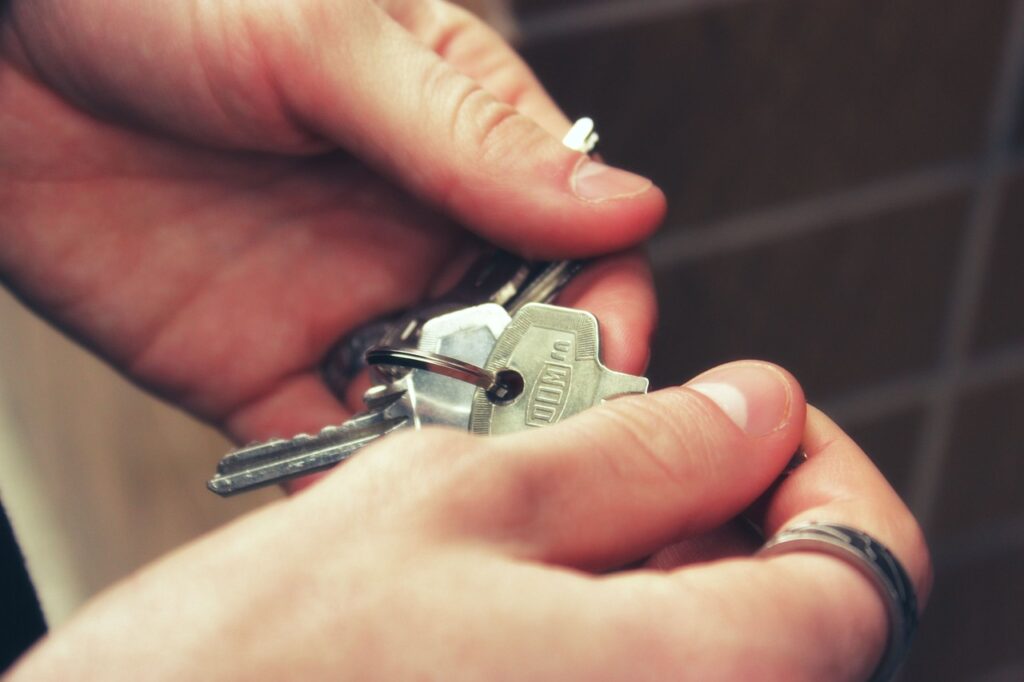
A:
<point x="877" y="563"/>
<point x="432" y="362"/>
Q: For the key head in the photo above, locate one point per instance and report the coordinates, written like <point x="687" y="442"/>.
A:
<point x="469" y="335"/>
<point x="549" y="368"/>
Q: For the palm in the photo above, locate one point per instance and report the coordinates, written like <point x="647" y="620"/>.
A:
<point x="217" y="279"/>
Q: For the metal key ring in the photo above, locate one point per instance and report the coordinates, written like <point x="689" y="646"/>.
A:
<point x="432" y="362"/>
<point x="501" y="387"/>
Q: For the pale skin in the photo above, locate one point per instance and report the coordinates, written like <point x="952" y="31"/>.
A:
<point x="209" y="194"/>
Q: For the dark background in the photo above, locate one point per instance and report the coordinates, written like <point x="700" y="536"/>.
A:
<point x="846" y="195"/>
<point x="846" y="182"/>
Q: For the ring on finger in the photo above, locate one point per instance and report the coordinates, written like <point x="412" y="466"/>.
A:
<point x="877" y="563"/>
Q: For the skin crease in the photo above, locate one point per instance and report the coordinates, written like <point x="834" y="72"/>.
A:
<point x="209" y="194"/>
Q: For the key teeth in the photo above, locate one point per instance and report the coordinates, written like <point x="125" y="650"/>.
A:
<point x="237" y="458"/>
<point x="270" y="462"/>
<point x="256" y="448"/>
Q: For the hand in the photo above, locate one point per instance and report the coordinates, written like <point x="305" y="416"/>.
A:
<point x="210" y="194"/>
<point x="439" y="555"/>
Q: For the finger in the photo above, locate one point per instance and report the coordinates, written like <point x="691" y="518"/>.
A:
<point x="613" y="484"/>
<point x="440" y="134"/>
<point x="477" y="50"/>
<point x="839" y="484"/>
<point x="297" y="404"/>
<point x="805" y="615"/>
<point x="619" y="292"/>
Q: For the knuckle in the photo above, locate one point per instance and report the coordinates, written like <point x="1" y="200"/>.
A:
<point x="481" y="125"/>
<point x="480" y="122"/>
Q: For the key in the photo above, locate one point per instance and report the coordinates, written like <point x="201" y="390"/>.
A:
<point x="497" y="277"/>
<point x="413" y="401"/>
<point x="467" y="335"/>
<point x="542" y="366"/>
<point x="464" y="325"/>
<point x="262" y="464"/>
<point x="550" y="357"/>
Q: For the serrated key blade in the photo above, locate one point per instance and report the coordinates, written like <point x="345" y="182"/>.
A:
<point x="279" y="460"/>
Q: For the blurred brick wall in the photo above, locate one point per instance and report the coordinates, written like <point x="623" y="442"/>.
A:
<point x="847" y="198"/>
<point x="846" y="180"/>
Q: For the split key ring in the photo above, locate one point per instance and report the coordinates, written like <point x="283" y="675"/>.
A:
<point x="502" y="387"/>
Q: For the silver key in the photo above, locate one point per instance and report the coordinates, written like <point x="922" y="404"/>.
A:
<point x="546" y="360"/>
<point x="262" y="464"/>
<point x="457" y="325"/>
<point x="416" y="399"/>
<point x="552" y="354"/>
<point x="498" y="277"/>
<point x="467" y="335"/>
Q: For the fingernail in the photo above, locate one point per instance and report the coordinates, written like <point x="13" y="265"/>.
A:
<point x="594" y="181"/>
<point x="755" y="396"/>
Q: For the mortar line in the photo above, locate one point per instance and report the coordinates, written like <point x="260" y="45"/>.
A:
<point x="687" y="244"/>
<point x="594" y="16"/>
<point x="982" y="222"/>
<point x="879" y="400"/>
<point x="883" y="399"/>
<point x="978" y="544"/>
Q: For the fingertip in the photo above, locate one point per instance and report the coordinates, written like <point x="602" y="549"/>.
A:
<point x="610" y="209"/>
<point x="596" y="182"/>
<point x="760" y="398"/>
<point x="536" y="205"/>
<point x="838" y="483"/>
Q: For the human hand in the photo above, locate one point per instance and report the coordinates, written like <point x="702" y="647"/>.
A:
<point x="210" y="194"/>
<point x="440" y="555"/>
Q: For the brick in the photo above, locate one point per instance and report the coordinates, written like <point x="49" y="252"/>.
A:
<point x="842" y="307"/>
<point x="973" y="624"/>
<point x="984" y="478"/>
<point x="747" y="104"/>
<point x="891" y="442"/>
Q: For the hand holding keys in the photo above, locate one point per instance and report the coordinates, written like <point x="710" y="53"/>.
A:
<point x="541" y="366"/>
<point x="490" y="357"/>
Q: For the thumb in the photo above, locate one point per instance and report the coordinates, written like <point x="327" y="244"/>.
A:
<point x="615" y="483"/>
<point x="356" y="76"/>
